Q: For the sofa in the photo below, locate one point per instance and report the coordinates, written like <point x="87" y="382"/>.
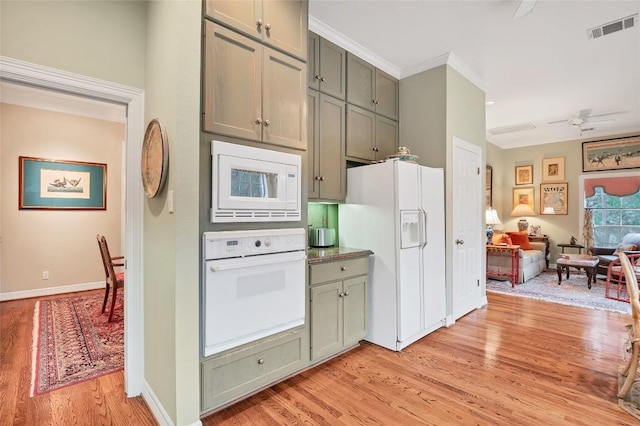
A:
<point x="630" y="244"/>
<point x="532" y="257"/>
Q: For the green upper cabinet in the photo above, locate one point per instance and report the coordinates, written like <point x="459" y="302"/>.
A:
<point x="252" y="91"/>
<point x="281" y="24"/>
<point x="327" y="66"/>
<point x="326" y="147"/>
<point x="371" y="88"/>
<point x="370" y="137"/>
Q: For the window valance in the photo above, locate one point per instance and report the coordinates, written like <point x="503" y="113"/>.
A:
<point x="617" y="186"/>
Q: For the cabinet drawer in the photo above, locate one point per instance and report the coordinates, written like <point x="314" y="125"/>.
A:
<point x="237" y="373"/>
<point x="338" y="270"/>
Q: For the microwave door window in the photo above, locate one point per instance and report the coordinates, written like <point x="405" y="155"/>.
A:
<point x="253" y="184"/>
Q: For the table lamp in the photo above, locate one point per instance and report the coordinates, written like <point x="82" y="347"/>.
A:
<point x="523" y="210"/>
<point x="491" y="217"/>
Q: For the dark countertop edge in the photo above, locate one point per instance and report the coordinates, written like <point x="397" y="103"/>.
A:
<point x="331" y="254"/>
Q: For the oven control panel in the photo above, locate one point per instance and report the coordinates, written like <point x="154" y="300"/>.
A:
<point x="227" y="244"/>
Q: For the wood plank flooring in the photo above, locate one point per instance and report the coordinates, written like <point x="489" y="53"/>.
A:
<point x="517" y="361"/>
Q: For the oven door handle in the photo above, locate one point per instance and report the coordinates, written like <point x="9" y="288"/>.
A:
<point x="269" y="259"/>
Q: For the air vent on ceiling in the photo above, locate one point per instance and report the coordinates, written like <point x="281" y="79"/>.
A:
<point x="510" y="129"/>
<point x="612" y="27"/>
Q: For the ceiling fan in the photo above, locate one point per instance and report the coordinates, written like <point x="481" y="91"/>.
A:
<point x="524" y="8"/>
<point x="585" y="119"/>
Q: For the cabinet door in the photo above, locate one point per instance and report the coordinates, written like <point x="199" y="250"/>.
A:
<point x="313" y="61"/>
<point x="361" y="128"/>
<point x="333" y="60"/>
<point x="313" y="145"/>
<point x="355" y="309"/>
<point x="360" y="82"/>
<point x="241" y="15"/>
<point x="386" y="137"/>
<point x="386" y="95"/>
<point x="284" y="100"/>
<point x="326" y="319"/>
<point x="232" y="83"/>
<point x="284" y="25"/>
<point x="333" y="166"/>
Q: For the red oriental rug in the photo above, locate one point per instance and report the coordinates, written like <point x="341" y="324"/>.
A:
<point x="73" y="342"/>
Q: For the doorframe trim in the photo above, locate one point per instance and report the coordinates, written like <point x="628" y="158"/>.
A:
<point x="14" y="70"/>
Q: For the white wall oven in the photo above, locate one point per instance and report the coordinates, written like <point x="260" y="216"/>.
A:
<point x="254" y="286"/>
<point x="254" y="185"/>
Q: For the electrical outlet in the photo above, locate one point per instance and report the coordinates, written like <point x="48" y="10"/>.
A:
<point x="45" y="275"/>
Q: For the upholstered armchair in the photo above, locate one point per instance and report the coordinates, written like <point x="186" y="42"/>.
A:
<point x="630" y="245"/>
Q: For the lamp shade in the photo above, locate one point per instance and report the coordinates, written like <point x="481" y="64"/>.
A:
<point x="491" y="216"/>
<point x="548" y="210"/>
<point x="523" y="210"/>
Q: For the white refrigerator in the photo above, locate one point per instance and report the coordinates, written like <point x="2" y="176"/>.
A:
<point x="396" y="209"/>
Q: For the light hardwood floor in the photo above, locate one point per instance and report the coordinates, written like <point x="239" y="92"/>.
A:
<point x="515" y="362"/>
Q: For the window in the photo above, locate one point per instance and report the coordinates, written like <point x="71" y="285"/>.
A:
<point x="615" y="202"/>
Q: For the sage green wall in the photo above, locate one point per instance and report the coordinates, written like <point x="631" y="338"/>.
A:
<point x="435" y="106"/>
<point x="559" y="228"/>
<point x="114" y="41"/>
<point x="172" y="241"/>
<point x="100" y="39"/>
<point x="423" y="115"/>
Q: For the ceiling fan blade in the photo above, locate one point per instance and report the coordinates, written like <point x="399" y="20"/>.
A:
<point x="608" y="120"/>
<point x="608" y="113"/>
<point x="525" y="7"/>
<point x="557" y="121"/>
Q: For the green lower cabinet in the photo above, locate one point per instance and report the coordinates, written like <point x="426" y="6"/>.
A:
<point x="338" y="308"/>
<point x="238" y="372"/>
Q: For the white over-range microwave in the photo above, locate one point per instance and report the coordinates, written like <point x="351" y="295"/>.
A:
<point x="254" y="185"/>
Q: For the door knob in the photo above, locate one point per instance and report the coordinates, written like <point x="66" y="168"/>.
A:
<point x="458" y="241"/>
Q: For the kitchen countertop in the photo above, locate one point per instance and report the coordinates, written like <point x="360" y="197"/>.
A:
<point x="330" y="254"/>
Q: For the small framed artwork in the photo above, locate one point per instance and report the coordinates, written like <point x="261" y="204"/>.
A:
<point x="61" y="185"/>
<point x="524" y="175"/>
<point x="523" y="196"/>
<point x="611" y="154"/>
<point x="553" y="169"/>
<point x="553" y="197"/>
<point x="489" y="188"/>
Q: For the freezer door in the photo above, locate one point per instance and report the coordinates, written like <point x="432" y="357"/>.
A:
<point x="410" y="229"/>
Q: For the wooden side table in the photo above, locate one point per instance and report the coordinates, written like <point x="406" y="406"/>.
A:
<point x="542" y="239"/>
<point x="575" y="246"/>
<point x="514" y="252"/>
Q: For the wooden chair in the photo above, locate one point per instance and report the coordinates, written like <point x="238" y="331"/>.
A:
<point x="629" y="370"/>
<point x="615" y="286"/>
<point x="113" y="280"/>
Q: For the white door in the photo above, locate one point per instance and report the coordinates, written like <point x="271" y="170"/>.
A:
<point x="467" y="223"/>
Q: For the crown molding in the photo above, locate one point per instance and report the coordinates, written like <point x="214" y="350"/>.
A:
<point x="351" y="46"/>
<point x="453" y="61"/>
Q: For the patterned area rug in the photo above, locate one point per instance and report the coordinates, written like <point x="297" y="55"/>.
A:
<point x="573" y="291"/>
<point x="73" y="342"/>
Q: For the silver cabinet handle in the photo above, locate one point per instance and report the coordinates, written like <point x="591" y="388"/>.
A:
<point x="266" y="123"/>
<point x="317" y="77"/>
<point x="459" y="241"/>
<point x="259" y="23"/>
<point x="258" y="120"/>
<point x="267" y="27"/>
<point x="341" y="295"/>
<point x="321" y="78"/>
<point x="346" y="293"/>
<point x="344" y="268"/>
<point x="260" y="361"/>
<point x="321" y="177"/>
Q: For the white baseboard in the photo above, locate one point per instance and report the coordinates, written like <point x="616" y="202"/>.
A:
<point x="50" y="291"/>
<point x="449" y="321"/>
<point x="158" y="411"/>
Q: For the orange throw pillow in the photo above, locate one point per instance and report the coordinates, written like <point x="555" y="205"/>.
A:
<point x="520" y="239"/>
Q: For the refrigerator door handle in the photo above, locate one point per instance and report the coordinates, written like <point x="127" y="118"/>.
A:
<point x="423" y="236"/>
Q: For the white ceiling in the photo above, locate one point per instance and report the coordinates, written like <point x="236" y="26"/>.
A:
<point x="538" y="68"/>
